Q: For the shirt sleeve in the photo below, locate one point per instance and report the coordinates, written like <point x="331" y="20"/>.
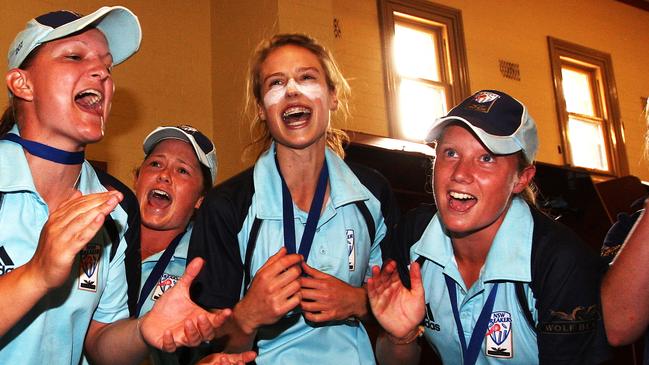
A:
<point x="214" y="238"/>
<point x="113" y="301"/>
<point x="566" y="276"/>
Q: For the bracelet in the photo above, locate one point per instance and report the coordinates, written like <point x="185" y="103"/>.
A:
<point x="409" y="338"/>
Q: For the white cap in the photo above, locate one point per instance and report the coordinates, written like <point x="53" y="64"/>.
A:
<point x="118" y="24"/>
<point x="203" y="146"/>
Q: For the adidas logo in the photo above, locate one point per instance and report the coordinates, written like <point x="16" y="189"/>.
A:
<point x="6" y="264"/>
<point x="429" y="320"/>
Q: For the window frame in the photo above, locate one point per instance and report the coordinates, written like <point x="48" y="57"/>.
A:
<point x="454" y="68"/>
<point x="600" y="66"/>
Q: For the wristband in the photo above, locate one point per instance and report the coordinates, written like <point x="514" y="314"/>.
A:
<point x="409" y="338"/>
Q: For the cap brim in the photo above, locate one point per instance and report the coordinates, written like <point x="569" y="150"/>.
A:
<point x="500" y="145"/>
<point x="118" y="24"/>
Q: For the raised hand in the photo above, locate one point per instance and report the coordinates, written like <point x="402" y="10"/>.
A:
<point x="398" y="309"/>
<point x="228" y="359"/>
<point x="67" y="231"/>
<point x="274" y="291"/>
<point x="327" y="298"/>
<point x="176" y="321"/>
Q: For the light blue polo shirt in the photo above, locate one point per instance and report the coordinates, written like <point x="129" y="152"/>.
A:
<point x="510" y="338"/>
<point x="54" y="330"/>
<point x="341" y="247"/>
<point x="172" y="273"/>
<point x="174" y="270"/>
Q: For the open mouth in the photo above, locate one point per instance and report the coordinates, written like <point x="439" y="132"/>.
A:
<point x="159" y="198"/>
<point x="461" y="201"/>
<point x="296" y="115"/>
<point x="90" y="100"/>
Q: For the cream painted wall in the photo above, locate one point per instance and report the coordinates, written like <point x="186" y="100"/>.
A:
<point x="237" y="28"/>
<point x="510" y="30"/>
<point x="193" y="61"/>
<point x="168" y="81"/>
<point x="492" y="33"/>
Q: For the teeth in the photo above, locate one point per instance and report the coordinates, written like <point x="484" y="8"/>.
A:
<point x="91" y="96"/>
<point x="460" y="196"/>
<point x="160" y="194"/>
<point x="296" y="110"/>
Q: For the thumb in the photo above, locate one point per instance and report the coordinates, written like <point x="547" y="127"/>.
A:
<point x="415" y="279"/>
<point x="314" y="273"/>
<point x="191" y="271"/>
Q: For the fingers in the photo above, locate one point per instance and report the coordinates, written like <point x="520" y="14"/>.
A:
<point x="278" y="274"/>
<point x="168" y="343"/>
<point x="289" y="297"/>
<point x="228" y="359"/>
<point x="216" y="319"/>
<point x="271" y="260"/>
<point x="284" y="263"/>
<point x="80" y="218"/>
<point x="192" y="334"/>
<point x="248" y="356"/>
<point x="318" y="317"/>
<point x="82" y="205"/>
<point x="313" y="272"/>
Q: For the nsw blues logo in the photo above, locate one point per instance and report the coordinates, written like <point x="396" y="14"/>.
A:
<point x="499" y="335"/>
<point x="89" y="267"/>
<point x="165" y="283"/>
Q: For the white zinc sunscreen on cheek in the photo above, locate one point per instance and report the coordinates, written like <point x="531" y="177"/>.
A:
<point x="311" y="90"/>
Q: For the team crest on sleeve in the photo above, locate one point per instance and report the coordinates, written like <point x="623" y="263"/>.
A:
<point x="165" y="283"/>
<point x="89" y="267"/>
<point x="499" y="335"/>
<point x="351" y="249"/>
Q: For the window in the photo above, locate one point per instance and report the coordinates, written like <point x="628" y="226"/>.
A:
<point x="588" y="109"/>
<point x="425" y="62"/>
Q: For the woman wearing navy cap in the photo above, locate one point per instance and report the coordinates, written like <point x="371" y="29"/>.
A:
<point x="492" y="280"/>
<point x="64" y="234"/>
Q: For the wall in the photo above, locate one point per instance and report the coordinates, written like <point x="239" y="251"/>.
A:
<point x="237" y="27"/>
<point x="510" y="30"/>
<point x="192" y="64"/>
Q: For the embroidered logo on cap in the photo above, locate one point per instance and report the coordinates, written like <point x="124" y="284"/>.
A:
<point x="188" y="129"/>
<point x="482" y="102"/>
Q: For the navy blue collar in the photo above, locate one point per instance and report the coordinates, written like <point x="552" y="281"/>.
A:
<point x="47" y="152"/>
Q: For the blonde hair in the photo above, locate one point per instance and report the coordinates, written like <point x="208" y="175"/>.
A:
<point x="529" y="193"/>
<point x="261" y="137"/>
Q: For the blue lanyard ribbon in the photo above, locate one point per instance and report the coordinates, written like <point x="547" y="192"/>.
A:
<point x="157" y="271"/>
<point x="312" y="218"/>
<point x="47" y="152"/>
<point x="470" y="354"/>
